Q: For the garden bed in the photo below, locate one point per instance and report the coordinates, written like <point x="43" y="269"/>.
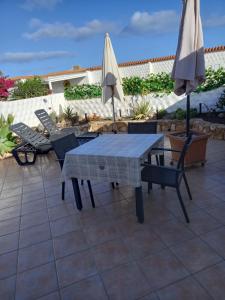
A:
<point x="214" y="117"/>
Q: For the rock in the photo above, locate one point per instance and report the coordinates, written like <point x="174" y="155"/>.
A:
<point x="221" y="115"/>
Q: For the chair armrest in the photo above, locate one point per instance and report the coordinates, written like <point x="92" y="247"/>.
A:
<point x="146" y="164"/>
<point x="165" y="149"/>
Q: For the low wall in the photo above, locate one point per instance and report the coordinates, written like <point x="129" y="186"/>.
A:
<point x="215" y="131"/>
<point x="23" y="110"/>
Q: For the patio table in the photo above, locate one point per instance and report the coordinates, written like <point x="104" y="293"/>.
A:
<point x="112" y="158"/>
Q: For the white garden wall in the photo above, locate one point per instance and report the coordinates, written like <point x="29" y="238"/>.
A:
<point x="23" y="110"/>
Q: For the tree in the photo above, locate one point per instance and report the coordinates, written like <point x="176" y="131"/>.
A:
<point x="33" y="87"/>
<point x="5" y="85"/>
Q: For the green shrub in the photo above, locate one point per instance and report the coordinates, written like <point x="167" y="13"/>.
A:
<point x="221" y="101"/>
<point x="7" y="140"/>
<point x="180" y="114"/>
<point x="70" y="116"/>
<point x="154" y="83"/>
<point x="141" y="110"/>
<point x="133" y="86"/>
<point x="214" y="79"/>
<point x="84" y="91"/>
<point x="30" y="88"/>
<point x="193" y="112"/>
<point x="161" y="113"/>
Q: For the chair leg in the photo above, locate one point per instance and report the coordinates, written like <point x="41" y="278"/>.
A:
<point x="113" y="185"/>
<point x="182" y="205"/>
<point x="63" y="190"/>
<point x="149" y="187"/>
<point x="82" y="182"/>
<point x="161" y="163"/>
<point x="187" y="186"/>
<point x="91" y="194"/>
<point x="149" y="183"/>
<point x="157" y="160"/>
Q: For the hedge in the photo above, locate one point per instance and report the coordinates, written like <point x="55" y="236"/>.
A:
<point x="155" y="83"/>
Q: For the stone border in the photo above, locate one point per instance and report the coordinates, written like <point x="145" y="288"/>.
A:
<point x="215" y="131"/>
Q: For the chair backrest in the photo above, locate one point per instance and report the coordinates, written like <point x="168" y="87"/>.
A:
<point x="29" y="135"/>
<point x="142" y="127"/>
<point x="63" y="145"/>
<point x="180" y="164"/>
<point x="46" y="121"/>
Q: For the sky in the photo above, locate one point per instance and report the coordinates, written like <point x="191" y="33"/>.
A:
<point x="42" y="36"/>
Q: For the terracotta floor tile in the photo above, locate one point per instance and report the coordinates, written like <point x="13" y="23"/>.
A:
<point x="51" y="296"/>
<point x="61" y="211"/>
<point x="7" y="288"/>
<point x="34" y="235"/>
<point x="9" y="226"/>
<point x="216" y="240"/>
<point x="111" y="254"/>
<point x="218" y="212"/>
<point x="91" y="288"/>
<point x="162" y="269"/>
<point x="212" y="279"/>
<point x="33" y="206"/>
<point x="102" y="233"/>
<point x="185" y="289"/>
<point x="9" y="242"/>
<point x="65" y="225"/>
<point x="10" y="212"/>
<point x="36" y="282"/>
<point x="69" y="243"/>
<point x="75" y="267"/>
<point x="8" y="264"/>
<point x="35" y="255"/>
<point x="142" y="243"/>
<point x="201" y="222"/>
<point x="196" y="255"/>
<point x="173" y="232"/>
<point x="125" y="282"/>
<point x="33" y="219"/>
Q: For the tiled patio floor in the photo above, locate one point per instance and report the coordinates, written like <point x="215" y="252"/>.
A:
<point x="49" y="250"/>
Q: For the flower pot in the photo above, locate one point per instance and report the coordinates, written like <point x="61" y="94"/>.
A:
<point x="197" y="150"/>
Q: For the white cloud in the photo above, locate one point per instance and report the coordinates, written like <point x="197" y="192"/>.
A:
<point x="68" y="30"/>
<point x="39" y="4"/>
<point x="157" y="22"/>
<point x="23" y="57"/>
<point x="214" y="21"/>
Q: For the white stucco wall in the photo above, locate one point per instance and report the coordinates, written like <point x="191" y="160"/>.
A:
<point x="214" y="60"/>
<point x="23" y="110"/>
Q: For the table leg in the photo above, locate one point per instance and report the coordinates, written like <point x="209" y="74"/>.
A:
<point x="139" y="204"/>
<point x="77" y="195"/>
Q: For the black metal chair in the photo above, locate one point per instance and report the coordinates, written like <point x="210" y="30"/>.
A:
<point x="144" y="128"/>
<point x="61" y="146"/>
<point x="168" y="176"/>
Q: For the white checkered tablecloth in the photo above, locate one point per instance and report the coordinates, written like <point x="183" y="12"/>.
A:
<point x="111" y="158"/>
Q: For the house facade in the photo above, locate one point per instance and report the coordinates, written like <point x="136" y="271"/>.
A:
<point x="214" y="57"/>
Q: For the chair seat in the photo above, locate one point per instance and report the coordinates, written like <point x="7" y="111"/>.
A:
<point x="44" y="149"/>
<point x="161" y="175"/>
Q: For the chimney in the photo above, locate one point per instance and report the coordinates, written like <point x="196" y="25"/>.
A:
<point x="76" y="67"/>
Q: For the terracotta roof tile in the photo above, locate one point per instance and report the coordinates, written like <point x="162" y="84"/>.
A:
<point x="66" y="72"/>
<point x="125" y="64"/>
<point x="157" y="59"/>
